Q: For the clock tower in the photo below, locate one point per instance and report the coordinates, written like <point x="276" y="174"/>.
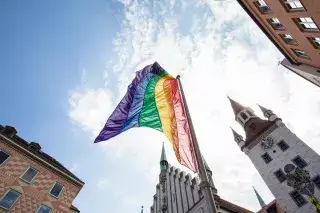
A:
<point x="271" y="146"/>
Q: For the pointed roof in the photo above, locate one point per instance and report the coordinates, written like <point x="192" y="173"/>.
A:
<point x="262" y="109"/>
<point x="236" y="106"/>
<point x="262" y="203"/>
<point x="163" y="154"/>
<point x="235" y="134"/>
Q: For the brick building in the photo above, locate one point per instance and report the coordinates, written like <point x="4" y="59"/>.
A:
<point x="31" y="180"/>
<point x="293" y="27"/>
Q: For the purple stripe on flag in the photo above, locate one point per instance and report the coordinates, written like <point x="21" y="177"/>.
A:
<point x="136" y="107"/>
<point x="119" y="116"/>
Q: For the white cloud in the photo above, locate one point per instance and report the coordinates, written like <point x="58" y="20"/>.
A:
<point x="222" y="54"/>
<point x="102" y="184"/>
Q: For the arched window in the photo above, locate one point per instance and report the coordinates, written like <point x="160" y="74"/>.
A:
<point x="244" y="116"/>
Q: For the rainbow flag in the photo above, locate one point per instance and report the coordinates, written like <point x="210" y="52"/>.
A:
<point x="153" y="100"/>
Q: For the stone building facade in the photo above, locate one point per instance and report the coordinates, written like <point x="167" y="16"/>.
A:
<point x="179" y="192"/>
<point x="31" y="180"/>
<point x="271" y="146"/>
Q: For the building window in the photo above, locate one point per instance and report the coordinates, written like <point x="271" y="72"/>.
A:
<point x="250" y="113"/>
<point x="267" y="158"/>
<point x="299" y="162"/>
<point x="29" y="175"/>
<point x="316" y="42"/>
<point x="280" y="175"/>
<point x="56" y="190"/>
<point x="283" y="145"/>
<point x="9" y="199"/>
<point x="3" y="157"/>
<point x="263" y="7"/>
<point x="307" y="23"/>
<point x="301" y="54"/>
<point x="316" y="181"/>
<point x="293" y="5"/>
<point x="244" y="116"/>
<point x="298" y="198"/>
<point x="275" y="23"/>
<point x="288" y="39"/>
<point x="44" y="209"/>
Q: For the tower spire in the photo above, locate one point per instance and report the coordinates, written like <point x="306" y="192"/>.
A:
<point x="237" y="137"/>
<point x="163" y="154"/>
<point x="261" y="202"/>
<point x="237" y="107"/>
<point x="163" y="159"/>
<point x="267" y="113"/>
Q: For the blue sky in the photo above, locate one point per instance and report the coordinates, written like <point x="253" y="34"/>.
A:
<point x="65" y="64"/>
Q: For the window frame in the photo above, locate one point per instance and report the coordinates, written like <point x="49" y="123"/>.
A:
<point x="301" y="56"/>
<point x="302" y="23"/>
<point x="52" y="188"/>
<point x="272" y="23"/>
<point x="295" y="200"/>
<point x="26" y="172"/>
<point x="315" y="41"/>
<point x="315" y="183"/>
<point x="285" y="38"/>
<point x="299" y="157"/>
<point x="17" y="192"/>
<point x="45" y="206"/>
<point x="259" y="6"/>
<point x="287" y="145"/>
<point x="266" y="154"/>
<point x="1" y="150"/>
<point x="279" y="179"/>
<point x="286" y="4"/>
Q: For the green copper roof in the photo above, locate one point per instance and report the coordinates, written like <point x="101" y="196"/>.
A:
<point x="262" y="203"/>
<point x="163" y="154"/>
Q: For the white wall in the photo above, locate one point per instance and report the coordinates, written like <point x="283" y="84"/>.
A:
<point x="280" y="159"/>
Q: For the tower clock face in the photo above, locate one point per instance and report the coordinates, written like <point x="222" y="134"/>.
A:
<point x="267" y="142"/>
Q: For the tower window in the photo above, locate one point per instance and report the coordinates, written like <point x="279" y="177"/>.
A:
<point x="299" y="162"/>
<point x="56" y="190"/>
<point x="244" y="116"/>
<point x="9" y="199"/>
<point x="44" y="209"/>
<point x="316" y="181"/>
<point x="267" y="158"/>
<point x="3" y="157"/>
<point x="29" y="175"/>
<point x="283" y="145"/>
<point x="298" y="198"/>
<point x="280" y="175"/>
<point x="250" y="113"/>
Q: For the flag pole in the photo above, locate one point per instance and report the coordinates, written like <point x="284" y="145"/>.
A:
<point x="204" y="184"/>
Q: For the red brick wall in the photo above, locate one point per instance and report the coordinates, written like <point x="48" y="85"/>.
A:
<point x="36" y="193"/>
<point x="312" y="8"/>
